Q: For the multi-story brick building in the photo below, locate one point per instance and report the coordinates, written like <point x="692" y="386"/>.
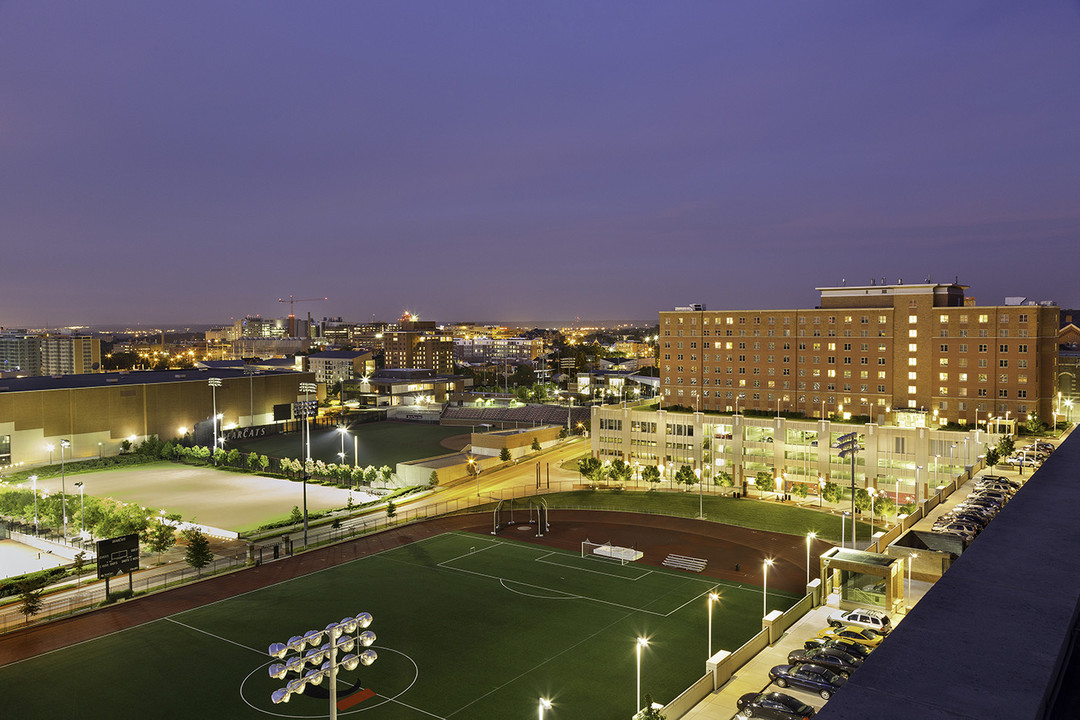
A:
<point x="866" y="350"/>
<point x="418" y="344"/>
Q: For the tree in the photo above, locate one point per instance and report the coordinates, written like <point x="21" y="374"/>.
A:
<point x="125" y="447"/>
<point x="620" y="471"/>
<point x="862" y="500"/>
<point x="160" y="537"/>
<point x="798" y="489"/>
<point x="885" y="507"/>
<point x="252" y="460"/>
<point x="198" y="553"/>
<point x="78" y="563"/>
<point x="992" y="457"/>
<point x="685" y="476"/>
<point x="588" y="466"/>
<point x="386" y="474"/>
<point x="504" y="454"/>
<point x="1005" y="447"/>
<point x="1034" y="425"/>
<point x="764" y="480"/>
<point x="563" y="433"/>
<point x="724" y="479"/>
<point x="649" y="712"/>
<point x="233" y="457"/>
<point x="296" y="517"/>
<point x="219" y="455"/>
<point x="433" y="479"/>
<point x="535" y="447"/>
<point x="30" y="591"/>
<point x="264" y="463"/>
<point x="832" y="492"/>
<point x="650" y="474"/>
<point x="391" y="510"/>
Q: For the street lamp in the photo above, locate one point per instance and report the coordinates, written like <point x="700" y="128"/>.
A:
<point x="821" y="490"/>
<point x="343" y="431"/>
<point x="641" y="642"/>
<point x="917" y="469"/>
<point x="33" y="479"/>
<point x="765" y="586"/>
<point x="701" y="509"/>
<point x="214" y="383"/>
<point x="713" y="597"/>
<point x="911" y="557"/>
<point x="82" y="507"/>
<point x="545" y="704"/>
<point x="323" y="657"/>
<point x="476" y="472"/>
<point x="63" y="484"/>
<point x="809" y="539"/>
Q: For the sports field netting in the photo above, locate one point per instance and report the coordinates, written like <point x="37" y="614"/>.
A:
<point x="468" y="626"/>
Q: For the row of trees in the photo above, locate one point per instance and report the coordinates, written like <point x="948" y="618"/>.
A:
<point x="344" y="474"/>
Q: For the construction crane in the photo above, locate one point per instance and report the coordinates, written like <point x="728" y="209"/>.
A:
<point x="292" y="315"/>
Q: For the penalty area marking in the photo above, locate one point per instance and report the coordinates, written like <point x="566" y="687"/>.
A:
<point x="383" y="699"/>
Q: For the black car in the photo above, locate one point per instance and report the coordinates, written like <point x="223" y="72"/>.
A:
<point x="851" y="648"/>
<point x="779" y="706"/>
<point x="840" y="662"/>
<point x="814" y="678"/>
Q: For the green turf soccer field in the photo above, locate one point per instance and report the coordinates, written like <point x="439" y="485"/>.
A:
<point x="468" y="626"/>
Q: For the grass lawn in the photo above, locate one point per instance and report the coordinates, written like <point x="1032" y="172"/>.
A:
<point x="378" y="444"/>
<point x="774" y="517"/>
<point x="468" y="626"/>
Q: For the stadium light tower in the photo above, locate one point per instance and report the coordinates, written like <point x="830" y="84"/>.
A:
<point x="545" y="704"/>
<point x="307" y="388"/>
<point x="323" y="657"/>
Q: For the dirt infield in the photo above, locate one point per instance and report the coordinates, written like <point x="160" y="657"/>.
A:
<point x="722" y="545"/>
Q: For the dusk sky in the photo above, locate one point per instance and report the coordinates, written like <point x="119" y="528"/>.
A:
<point x="191" y="162"/>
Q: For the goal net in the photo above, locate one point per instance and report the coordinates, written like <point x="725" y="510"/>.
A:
<point x="607" y="551"/>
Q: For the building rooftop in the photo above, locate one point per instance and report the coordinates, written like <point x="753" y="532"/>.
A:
<point x="66" y="382"/>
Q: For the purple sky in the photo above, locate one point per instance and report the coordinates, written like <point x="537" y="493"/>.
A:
<point x="192" y="162"/>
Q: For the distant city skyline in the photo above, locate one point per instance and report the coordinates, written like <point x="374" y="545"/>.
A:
<point x="169" y="165"/>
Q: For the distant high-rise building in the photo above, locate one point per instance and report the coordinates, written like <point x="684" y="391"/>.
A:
<point x="65" y="355"/>
<point x="418" y="344"/>
<point x="866" y="350"/>
<point x="20" y="354"/>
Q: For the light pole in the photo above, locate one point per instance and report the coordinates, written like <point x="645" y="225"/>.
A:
<point x="33" y="479"/>
<point x="821" y="490"/>
<point x="545" y="704"/>
<point x="917" y="469"/>
<point x="63" y="484"/>
<point x="323" y="656"/>
<point x="701" y="509"/>
<point x="843" y="525"/>
<point x="765" y="586"/>
<point x="713" y="597"/>
<point x="82" y="507"/>
<point x="251" y="371"/>
<point x="307" y="388"/>
<point x="214" y="383"/>
<point x="809" y="539"/>
<point x="343" y="431"/>
<point x="641" y="642"/>
<point x="911" y="558"/>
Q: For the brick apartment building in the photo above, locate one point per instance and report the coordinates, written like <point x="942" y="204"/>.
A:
<point x="866" y="350"/>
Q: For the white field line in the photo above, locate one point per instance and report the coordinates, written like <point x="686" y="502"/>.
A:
<point x="542" y="559"/>
<point x="217" y="637"/>
<point x="539" y="665"/>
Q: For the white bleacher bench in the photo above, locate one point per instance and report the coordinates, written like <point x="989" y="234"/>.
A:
<point x="682" y="562"/>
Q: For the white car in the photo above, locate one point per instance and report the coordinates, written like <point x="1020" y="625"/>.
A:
<point x="875" y="620"/>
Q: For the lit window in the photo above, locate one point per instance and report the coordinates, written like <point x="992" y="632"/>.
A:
<point x="913" y="347"/>
<point x="913" y="318"/>
<point x="912" y="376"/>
<point x="911" y="389"/>
<point x="913" y="333"/>
<point x="912" y="361"/>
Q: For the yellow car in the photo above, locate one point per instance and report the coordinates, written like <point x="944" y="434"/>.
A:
<point x="862" y="636"/>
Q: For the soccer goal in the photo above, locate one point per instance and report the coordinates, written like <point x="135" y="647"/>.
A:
<point x="620" y="554"/>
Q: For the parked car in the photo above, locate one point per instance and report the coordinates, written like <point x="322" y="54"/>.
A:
<point x="963" y="532"/>
<point x="809" y="677"/>
<point x="1021" y="461"/>
<point x="851" y="648"/>
<point x="855" y="634"/>
<point x="875" y="620"/>
<point x="1000" y="478"/>
<point x="774" y="705"/>
<point x="996" y="495"/>
<point x="840" y="662"/>
<point x="993" y="485"/>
